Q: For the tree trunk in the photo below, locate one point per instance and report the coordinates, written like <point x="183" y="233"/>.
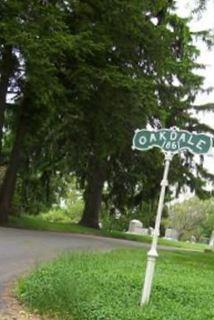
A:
<point x="6" y="71"/>
<point x="93" y="195"/>
<point x="45" y="186"/>
<point x="9" y="182"/>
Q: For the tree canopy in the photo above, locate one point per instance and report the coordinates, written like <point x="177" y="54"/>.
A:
<point x="83" y="75"/>
<point x="192" y="217"/>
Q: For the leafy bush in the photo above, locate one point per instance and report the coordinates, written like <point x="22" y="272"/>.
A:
<point x="56" y="215"/>
<point x="192" y="217"/>
<point x="107" y="286"/>
<point x="120" y="221"/>
<point x="64" y="215"/>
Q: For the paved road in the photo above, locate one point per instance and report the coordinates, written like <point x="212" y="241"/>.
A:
<point x="21" y="250"/>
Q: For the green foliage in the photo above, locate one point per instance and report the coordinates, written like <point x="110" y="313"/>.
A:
<point x="36" y="37"/>
<point x="112" y="220"/>
<point x="70" y="214"/>
<point x="56" y="215"/>
<point x="119" y="220"/>
<point x="90" y="73"/>
<point x="208" y="223"/>
<point x="192" y="217"/>
<point x="101" y="286"/>
<point x="120" y="81"/>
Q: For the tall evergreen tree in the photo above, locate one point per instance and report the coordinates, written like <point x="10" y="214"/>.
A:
<point x="34" y="32"/>
<point x="88" y="73"/>
<point x="138" y="69"/>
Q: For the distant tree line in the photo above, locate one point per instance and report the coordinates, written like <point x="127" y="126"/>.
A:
<point x="193" y="217"/>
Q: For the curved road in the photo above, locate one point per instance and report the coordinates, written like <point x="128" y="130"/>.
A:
<point x="21" y="250"/>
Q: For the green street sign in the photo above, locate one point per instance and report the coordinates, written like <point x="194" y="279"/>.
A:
<point x="171" y="140"/>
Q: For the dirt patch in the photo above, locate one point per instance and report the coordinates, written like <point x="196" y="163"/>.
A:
<point x="13" y="310"/>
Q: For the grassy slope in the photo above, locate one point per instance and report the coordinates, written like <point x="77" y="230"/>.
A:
<point x="36" y="223"/>
<point x="107" y="286"/>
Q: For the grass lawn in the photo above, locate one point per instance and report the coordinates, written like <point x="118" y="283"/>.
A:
<point x="107" y="286"/>
<point x="37" y="223"/>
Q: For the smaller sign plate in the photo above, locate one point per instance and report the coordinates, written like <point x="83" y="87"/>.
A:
<point x="171" y="140"/>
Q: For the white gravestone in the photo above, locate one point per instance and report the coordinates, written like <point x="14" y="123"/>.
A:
<point x="211" y="242"/>
<point x="151" y="231"/>
<point x="135" y="226"/>
<point x="171" y="234"/>
<point x="193" y="239"/>
<point x="145" y="231"/>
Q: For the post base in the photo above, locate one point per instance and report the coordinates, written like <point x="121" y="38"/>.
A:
<point x="150" y="267"/>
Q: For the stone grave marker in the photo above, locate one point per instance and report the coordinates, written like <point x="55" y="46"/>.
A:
<point x="171" y="234"/>
<point x="151" y="231"/>
<point x="145" y="231"/>
<point x="135" y="226"/>
<point x="211" y="242"/>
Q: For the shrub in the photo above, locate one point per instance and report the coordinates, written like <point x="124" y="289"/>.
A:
<point x="70" y="214"/>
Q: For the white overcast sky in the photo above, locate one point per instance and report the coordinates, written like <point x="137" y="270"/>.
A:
<point x="204" y="22"/>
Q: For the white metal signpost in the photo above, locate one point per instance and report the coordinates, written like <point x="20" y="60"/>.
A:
<point x="170" y="141"/>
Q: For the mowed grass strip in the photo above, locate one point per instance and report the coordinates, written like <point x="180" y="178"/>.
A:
<point x="107" y="286"/>
<point x="37" y="223"/>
